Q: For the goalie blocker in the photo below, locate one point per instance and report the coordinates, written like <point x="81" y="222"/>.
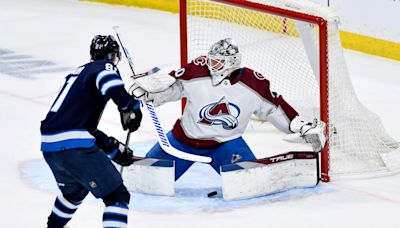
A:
<point x="260" y="177"/>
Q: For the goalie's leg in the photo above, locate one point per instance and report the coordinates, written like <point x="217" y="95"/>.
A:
<point x="231" y="152"/>
<point x="180" y="165"/>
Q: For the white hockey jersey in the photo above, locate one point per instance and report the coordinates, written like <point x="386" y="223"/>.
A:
<point x="216" y="114"/>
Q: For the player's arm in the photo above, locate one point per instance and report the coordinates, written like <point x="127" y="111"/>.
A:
<point x="114" y="149"/>
<point x="274" y="109"/>
<point x="129" y="108"/>
<point x="285" y="118"/>
<point x="111" y="86"/>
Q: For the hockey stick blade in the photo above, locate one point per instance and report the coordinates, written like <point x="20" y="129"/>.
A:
<point x="166" y="145"/>
<point x="147" y="73"/>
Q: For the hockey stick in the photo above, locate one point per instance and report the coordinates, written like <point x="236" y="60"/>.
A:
<point x="128" y="136"/>
<point x="161" y="137"/>
<point x="147" y="73"/>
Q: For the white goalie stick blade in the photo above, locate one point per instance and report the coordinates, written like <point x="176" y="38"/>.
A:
<point x="278" y="173"/>
<point x="151" y="176"/>
<point x="161" y="137"/>
<point x="166" y="145"/>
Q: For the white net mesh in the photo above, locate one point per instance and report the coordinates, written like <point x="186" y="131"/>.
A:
<point x="287" y="53"/>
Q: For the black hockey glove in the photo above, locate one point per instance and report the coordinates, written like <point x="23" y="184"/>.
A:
<point x="131" y="116"/>
<point x="117" y="152"/>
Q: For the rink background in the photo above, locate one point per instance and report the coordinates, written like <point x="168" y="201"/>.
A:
<point x="42" y="40"/>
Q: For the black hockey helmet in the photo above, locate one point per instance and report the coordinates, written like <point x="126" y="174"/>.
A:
<point x="104" y="47"/>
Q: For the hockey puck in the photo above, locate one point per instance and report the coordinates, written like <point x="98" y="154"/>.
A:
<point x="211" y="194"/>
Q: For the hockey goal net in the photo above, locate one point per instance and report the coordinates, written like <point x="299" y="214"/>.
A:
<point x="296" y="45"/>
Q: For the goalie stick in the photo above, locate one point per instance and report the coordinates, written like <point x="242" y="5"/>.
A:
<point x="161" y="137"/>
<point x="147" y="73"/>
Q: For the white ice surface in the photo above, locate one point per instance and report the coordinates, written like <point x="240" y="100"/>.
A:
<point x="39" y="36"/>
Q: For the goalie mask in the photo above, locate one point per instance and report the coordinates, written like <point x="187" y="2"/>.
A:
<point x="222" y="59"/>
<point x="105" y="48"/>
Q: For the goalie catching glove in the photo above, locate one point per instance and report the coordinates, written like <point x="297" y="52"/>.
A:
<point x="140" y="94"/>
<point x="308" y="132"/>
<point x="154" y="81"/>
<point x="150" y="83"/>
<point x="117" y="152"/>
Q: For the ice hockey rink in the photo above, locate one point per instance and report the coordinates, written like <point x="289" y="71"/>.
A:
<point x="42" y="40"/>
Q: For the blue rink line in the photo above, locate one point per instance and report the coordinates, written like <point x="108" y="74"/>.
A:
<point x="190" y="190"/>
<point x="27" y="67"/>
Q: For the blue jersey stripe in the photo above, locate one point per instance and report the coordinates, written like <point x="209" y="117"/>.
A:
<point x="67" y="144"/>
<point x="70" y="139"/>
<point x="103" y="74"/>
<point x="109" y="85"/>
<point x="64" y="135"/>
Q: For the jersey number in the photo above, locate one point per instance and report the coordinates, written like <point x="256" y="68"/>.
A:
<point x="63" y="93"/>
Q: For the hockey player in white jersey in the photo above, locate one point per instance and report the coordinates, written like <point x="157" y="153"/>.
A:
<point x="221" y="98"/>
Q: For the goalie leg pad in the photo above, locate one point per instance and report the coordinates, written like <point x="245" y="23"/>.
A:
<point x="261" y="177"/>
<point x="151" y="176"/>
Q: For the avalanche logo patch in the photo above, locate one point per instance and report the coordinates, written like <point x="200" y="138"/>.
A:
<point x="259" y="76"/>
<point x="220" y="113"/>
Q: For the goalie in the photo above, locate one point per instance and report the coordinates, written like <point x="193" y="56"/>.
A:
<point x="221" y="97"/>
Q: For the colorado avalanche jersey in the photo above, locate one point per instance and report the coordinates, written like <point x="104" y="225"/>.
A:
<point x="73" y="118"/>
<point x="216" y="114"/>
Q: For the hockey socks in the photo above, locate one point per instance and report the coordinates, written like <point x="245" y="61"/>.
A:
<point x="115" y="216"/>
<point x="62" y="212"/>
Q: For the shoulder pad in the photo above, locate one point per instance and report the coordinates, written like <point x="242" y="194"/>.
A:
<point x="195" y="69"/>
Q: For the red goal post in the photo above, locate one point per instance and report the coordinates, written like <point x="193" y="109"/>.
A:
<point x="200" y="25"/>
